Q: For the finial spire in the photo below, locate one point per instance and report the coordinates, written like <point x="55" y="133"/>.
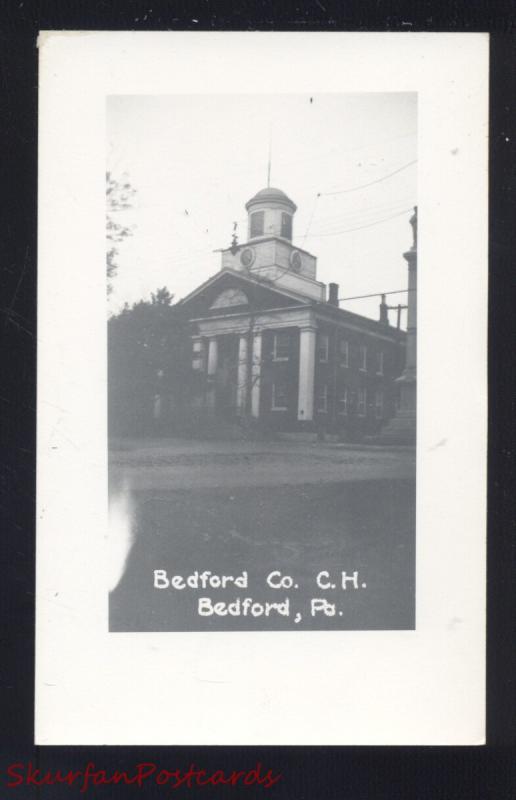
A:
<point x="413" y="222"/>
<point x="270" y="156"/>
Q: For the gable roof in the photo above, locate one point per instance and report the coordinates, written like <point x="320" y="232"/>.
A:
<point x="264" y="284"/>
<point x="265" y="294"/>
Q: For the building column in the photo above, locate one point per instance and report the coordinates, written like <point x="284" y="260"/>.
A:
<point x="212" y="355"/>
<point x="211" y="370"/>
<point x="256" y="375"/>
<point x="305" y="408"/>
<point x="242" y="375"/>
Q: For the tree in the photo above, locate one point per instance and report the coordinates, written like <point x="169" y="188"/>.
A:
<point x="148" y="358"/>
<point x="119" y="197"/>
<point x="161" y="297"/>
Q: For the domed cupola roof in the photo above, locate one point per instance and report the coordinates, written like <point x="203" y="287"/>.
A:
<point x="271" y="195"/>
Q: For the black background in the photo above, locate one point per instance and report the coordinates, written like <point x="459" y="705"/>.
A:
<point x="308" y="772"/>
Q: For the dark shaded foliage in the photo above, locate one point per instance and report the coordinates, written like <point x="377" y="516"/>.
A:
<point x="148" y="357"/>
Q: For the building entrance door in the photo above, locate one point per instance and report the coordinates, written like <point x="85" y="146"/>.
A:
<point x="227" y="376"/>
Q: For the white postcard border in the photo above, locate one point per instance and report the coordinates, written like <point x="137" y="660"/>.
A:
<point x="370" y="687"/>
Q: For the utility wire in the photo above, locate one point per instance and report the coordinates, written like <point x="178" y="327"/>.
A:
<point x="364" y="185"/>
<point x="311" y="218"/>
<point x="360" y="227"/>
<point x="328" y="222"/>
<point x="346" y="216"/>
<point x="376" y="294"/>
<point x="352" y="207"/>
<point x="360" y="217"/>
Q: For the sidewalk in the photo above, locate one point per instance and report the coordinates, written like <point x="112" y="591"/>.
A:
<point x="188" y="464"/>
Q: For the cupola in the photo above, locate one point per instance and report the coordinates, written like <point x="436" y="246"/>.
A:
<point x="269" y="253"/>
<point x="270" y="213"/>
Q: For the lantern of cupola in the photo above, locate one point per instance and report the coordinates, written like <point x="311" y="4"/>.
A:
<point x="270" y="213"/>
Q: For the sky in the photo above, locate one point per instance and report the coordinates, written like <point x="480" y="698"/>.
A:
<point x="195" y="160"/>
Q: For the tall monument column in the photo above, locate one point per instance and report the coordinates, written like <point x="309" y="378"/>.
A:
<point x="408" y="379"/>
<point x="402" y="427"/>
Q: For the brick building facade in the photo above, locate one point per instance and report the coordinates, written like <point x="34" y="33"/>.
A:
<point x="269" y="341"/>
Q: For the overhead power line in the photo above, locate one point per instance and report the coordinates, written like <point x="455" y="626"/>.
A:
<point x="360" y="227"/>
<point x="352" y="208"/>
<point x="376" y="294"/>
<point x="361" y="217"/>
<point x="311" y="218"/>
<point x="371" y="183"/>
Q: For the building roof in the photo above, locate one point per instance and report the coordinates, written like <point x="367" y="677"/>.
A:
<point x="322" y="309"/>
<point x="249" y="279"/>
<point x="334" y="313"/>
<point x="271" y="194"/>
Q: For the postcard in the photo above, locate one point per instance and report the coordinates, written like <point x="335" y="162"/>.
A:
<point x="262" y="388"/>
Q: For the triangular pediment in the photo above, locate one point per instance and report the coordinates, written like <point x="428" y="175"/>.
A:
<point x="231" y="292"/>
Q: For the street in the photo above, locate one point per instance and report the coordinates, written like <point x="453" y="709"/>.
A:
<point x="299" y="510"/>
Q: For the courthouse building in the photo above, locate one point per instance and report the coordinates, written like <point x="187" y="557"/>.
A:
<point x="269" y="341"/>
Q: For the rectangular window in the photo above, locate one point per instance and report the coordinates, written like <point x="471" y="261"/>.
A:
<point x="362" y="403"/>
<point x="322" y="399"/>
<point x="363" y="358"/>
<point x="281" y="347"/>
<point x="279" y="396"/>
<point x="322" y="347"/>
<point x="344" y="353"/>
<point x="379" y="363"/>
<point x="343" y="402"/>
<point x="197" y="357"/>
<point x="257" y="223"/>
<point x="378" y="405"/>
<point x="286" y="226"/>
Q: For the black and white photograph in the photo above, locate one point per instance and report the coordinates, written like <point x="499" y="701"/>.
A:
<point x="262" y="358"/>
<point x="262" y="395"/>
<point x="246" y="529"/>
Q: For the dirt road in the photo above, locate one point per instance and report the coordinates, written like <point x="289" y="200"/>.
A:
<point x="176" y="464"/>
<point x="238" y="507"/>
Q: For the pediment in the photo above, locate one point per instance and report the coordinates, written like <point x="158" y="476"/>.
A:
<point x="230" y="291"/>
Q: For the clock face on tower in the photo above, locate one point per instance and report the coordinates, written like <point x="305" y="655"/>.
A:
<point x="247" y="256"/>
<point x="295" y="260"/>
